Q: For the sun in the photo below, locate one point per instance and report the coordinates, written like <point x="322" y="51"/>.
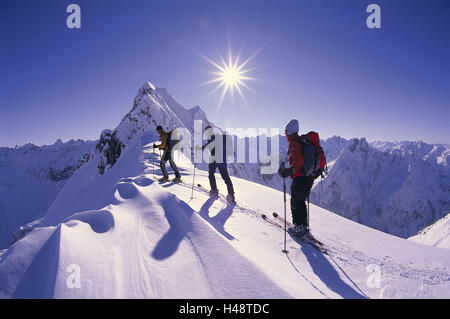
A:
<point x="230" y="75"/>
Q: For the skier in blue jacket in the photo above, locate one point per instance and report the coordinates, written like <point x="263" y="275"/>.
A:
<point x="221" y="164"/>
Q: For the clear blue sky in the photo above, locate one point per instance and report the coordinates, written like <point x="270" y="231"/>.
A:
<point x="318" y="63"/>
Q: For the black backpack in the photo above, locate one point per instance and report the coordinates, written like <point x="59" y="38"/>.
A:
<point x="313" y="155"/>
<point x="172" y="139"/>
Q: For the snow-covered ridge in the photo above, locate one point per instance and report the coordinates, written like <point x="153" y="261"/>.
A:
<point x="433" y="153"/>
<point x="130" y="237"/>
<point x="30" y="178"/>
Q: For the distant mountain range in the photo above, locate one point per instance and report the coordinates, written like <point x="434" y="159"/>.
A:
<point x="31" y="177"/>
<point x="399" y="188"/>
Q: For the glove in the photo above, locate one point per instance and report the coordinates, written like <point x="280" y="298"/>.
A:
<point x="154" y="145"/>
<point x="286" y="172"/>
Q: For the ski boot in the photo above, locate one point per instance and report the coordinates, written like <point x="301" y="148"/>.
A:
<point x="163" y="180"/>
<point x="231" y="199"/>
<point x="298" y="230"/>
<point x="176" y="180"/>
<point x="213" y="192"/>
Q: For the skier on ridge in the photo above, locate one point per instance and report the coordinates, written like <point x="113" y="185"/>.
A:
<point x="307" y="162"/>
<point x="221" y="164"/>
<point x="167" y="155"/>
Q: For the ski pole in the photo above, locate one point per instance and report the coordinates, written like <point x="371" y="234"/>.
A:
<point x="284" y="200"/>
<point x="160" y="159"/>
<point x="193" y="177"/>
<point x="154" y="163"/>
<point x="193" y="180"/>
<point x="307" y="215"/>
<point x="284" y="191"/>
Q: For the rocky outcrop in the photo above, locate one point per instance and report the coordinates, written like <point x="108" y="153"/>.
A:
<point x="110" y="148"/>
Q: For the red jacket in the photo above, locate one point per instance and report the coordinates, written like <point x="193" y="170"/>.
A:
<point x="295" y="155"/>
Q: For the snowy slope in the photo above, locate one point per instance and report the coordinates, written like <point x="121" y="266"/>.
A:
<point x="31" y="177"/>
<point x="132" y="237"/>
<point x="437" y="234"/>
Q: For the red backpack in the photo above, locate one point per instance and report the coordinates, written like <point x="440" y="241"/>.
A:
<point x="314" y="158"/>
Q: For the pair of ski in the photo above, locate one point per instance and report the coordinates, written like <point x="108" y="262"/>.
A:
<point x="222" y="197"/>
<point x="168" y="181"/>
<point x="308" y="238"/>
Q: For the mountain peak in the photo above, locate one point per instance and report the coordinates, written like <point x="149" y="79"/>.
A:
<point x="363" y="145"/>
<point x="359" y="144"/>
<point x="152" y="106"/>
<point x="148" y="86"/>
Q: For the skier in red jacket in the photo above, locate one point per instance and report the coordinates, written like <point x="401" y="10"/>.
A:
<point x="301" y="184"/>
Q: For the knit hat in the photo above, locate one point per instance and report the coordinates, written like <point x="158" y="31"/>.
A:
<point x="292" y="127"/>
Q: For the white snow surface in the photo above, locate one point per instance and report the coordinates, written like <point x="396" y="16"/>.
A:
<point x="132" y="237"/>
<point x="437" y="234"/>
